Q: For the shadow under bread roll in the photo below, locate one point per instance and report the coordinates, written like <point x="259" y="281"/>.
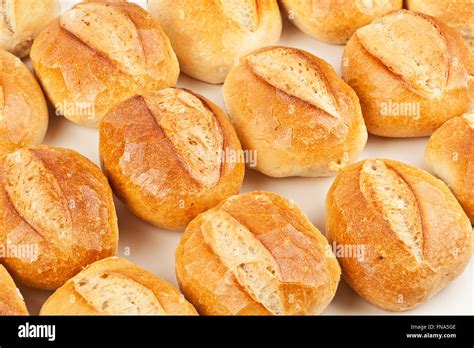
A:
<point x="97" y="54"/>
<point x="414" y="234"/>
<point x="57" y="215"/>
<point x="170" y="155"/>
<point x="11" y="300"/>
<point x="256" y="254"/>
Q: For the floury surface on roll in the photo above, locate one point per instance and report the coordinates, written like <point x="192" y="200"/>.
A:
<point x="23" y="110"/>
<point x="334" y="21"/>
<point x="411" y="72"/>
<point x="57" y="215"/>
<point x="209" y="36"/>
<point x="21" y="22"/>
<point x="98" y="54"/>
<point x="450" y="156"/>
<point x="115" y="286"/>
<point x="414" y="234"/>
<point x="170" y="155"/>
<point x="295" y="112"/>
<point x="11" y="300"/>
<point x="256" y="254"/>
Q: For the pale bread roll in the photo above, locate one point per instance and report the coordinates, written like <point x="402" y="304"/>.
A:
<point x="209" y="36"/>
<point x="411" y="72"/>
<point x="334" y="21"/>
<point x="57" y="215"/>
<point x="414" y="234"/>
<point x="97" y="54"/>
<point x="168" y="156"/>
<point x="256" y="254"/>
<point x="23" y="110"/>
<point x="11" y="300"/>
<point x="22" y="20"/>
<point x="450" y="156"/>
<point x="458" y="14"/>
<point x="292" y="109"/>
<point x="115" y="286"/>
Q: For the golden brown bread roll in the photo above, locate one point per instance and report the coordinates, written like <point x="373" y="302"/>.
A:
<point x="334" y="21"/>
<point x="21" y="22"/>
<point x="209" y="36"/>
<point x="256" y="254"/>
<point x="414" y="234"/>
<point x="115" y="286"/>
<point x="23" y="110"/>
<point x="57" y="208"/>
<point x="11" y="300"/>
<point x="98" y="54"/>
<point x="295" y="112"/>
<point x="165" y="154"/>
<point x="458" y="14"/>
<point x="411" y="72"/>
<point x="450" y="156"/>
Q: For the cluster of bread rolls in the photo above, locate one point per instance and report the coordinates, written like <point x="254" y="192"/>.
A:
<point x="177" y="160"/>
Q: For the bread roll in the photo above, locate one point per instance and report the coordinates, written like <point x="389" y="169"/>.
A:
<point x="98" y="54"/>
<point x="414" y="235"/>
<point x="22" y="21"/>
<point x="11" y="300"/>
<point x="458" y="14"/>
<point x="168" y="156"/>
<point x="115" y="286"/>
<point x="23" y="110"/>
<point x="450" y="156"/>
<point x="57" y="215"/>
<point x="411" y="72"/>
<point x="334" y="21"/>
<point x="292" y="109"/>
<point x="209" y="36"/>
<point x="256" y="254"/>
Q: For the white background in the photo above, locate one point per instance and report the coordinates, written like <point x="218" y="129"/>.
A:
<point x="154" y="249"/>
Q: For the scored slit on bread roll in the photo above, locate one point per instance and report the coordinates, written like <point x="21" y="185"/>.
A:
<point x="99" y="53"/>
<point x="57" y="208"/>
<point x="256" y="254"/>
<point x="23" y="110"/>
<point x="115" y="286"/>
<point x="411" y="72"/>
<point x="414" y="235"/>
<point x="11" y="300"/>
<point x="209" y="36"/>
<point x="450" y="156"/>
<point x="170" y="155"/>
<point x="334" y="21"/>
<point x="292" y="109"/>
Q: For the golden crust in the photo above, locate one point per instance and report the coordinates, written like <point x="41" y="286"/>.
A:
<point x="11" y="300"/>
<point x="268" y="234"/>
<point x="152" y="148"/>
<point x="58" y="208"/>
<point x="67" y="300"/>
<point x="85" y="73"/>
<point x="391" y="274"/>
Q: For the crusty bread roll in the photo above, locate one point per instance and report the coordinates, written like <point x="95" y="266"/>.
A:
<point x="57" y="215"/>
<point x="23" y="110"/>
<point x="295" y="112"/>
<point x="414" y="235"/>
<point x="11" y="300"/>
<point x="98" y="54"/>
<point x="411" y="72"/>
<point x="168" y="156"/>
<point x="458" y="14"/>
<point x="22" y="21"/>
<point x="450" y="156"/>
<point x="256" y="254"/>
<point x="334" y="21"/>
<point x="209" y="36"/>
<point x="115" y="286"/>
